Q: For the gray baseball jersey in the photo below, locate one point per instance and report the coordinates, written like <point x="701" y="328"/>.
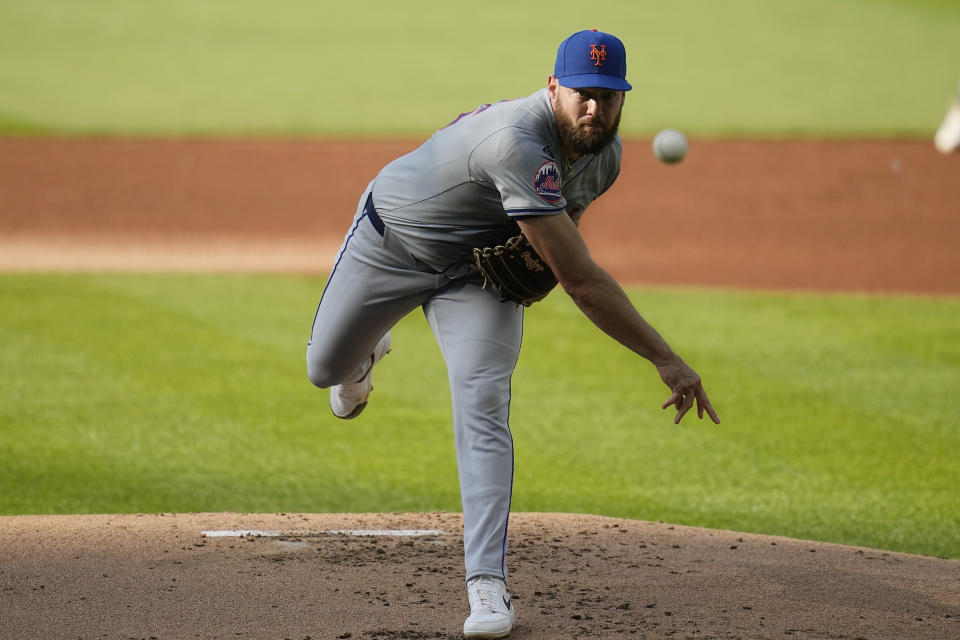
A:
<point x="462" y="188"/>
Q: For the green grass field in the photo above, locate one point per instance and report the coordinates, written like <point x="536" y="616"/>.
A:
<point x="149" y="393"/>
<point x="159" y="393"/>
<point x="838" y="68"/>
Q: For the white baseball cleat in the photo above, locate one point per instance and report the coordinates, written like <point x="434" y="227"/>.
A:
<point x="947" y="138"/>
<point x="349" y="399"/>
<point x="491" y="613"/>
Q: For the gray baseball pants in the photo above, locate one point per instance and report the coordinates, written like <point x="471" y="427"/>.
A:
<point x="376" y="282"/>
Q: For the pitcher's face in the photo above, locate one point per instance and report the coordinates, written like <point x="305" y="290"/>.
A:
<point x="587" y="119"/>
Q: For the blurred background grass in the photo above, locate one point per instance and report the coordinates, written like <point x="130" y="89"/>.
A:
<point x="838" y="68"/>
<point x="157" y="393"/>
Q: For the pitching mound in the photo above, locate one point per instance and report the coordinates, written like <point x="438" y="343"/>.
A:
<point x="227" y="575"/>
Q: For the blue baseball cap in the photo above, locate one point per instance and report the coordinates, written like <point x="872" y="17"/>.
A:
<point x="591" y="58"/>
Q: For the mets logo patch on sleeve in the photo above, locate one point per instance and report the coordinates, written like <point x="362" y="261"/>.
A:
<point x="547" y="182"/>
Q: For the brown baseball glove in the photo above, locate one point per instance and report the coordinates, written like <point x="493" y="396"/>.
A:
<point x="515" y="271"/>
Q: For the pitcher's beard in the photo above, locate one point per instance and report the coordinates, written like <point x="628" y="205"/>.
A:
<point x="580" y="141"/>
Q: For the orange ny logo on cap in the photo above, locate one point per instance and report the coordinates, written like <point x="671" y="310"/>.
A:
<point x="599" y="56"/>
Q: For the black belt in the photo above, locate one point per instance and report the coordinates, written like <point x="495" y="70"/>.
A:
<point x="371" y="213"/>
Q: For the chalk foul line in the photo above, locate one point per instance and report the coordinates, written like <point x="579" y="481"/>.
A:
<point x="258" y="533"/>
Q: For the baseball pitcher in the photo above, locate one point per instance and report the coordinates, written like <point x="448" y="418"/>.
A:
<point x="473" y="226"/>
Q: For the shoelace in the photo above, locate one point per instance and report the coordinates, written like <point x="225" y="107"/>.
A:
<point x="486" y="590"/>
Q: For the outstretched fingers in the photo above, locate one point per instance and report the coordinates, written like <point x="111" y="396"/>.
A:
<point x="703" y="404"/>
<point x="685" y="401"/>
<point x="682" y="402"/>
<point x="683" y="407"/>
<point x="686" y="390"/>
<point x="676" y="399"/>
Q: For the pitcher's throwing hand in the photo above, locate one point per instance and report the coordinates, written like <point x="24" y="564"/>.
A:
<point x="687" y="388"/>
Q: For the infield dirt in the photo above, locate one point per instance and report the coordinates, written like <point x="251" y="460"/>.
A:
<point x="830" y="216"/>
<point x="840" y="216"/>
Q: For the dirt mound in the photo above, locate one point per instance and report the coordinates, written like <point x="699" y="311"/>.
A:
<point x="401" y="576"/>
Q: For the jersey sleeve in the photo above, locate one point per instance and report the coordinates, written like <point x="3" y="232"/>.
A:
<point x="517" y="164"/>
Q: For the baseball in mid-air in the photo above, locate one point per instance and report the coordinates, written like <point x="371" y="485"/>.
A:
<point x="670" y="146"/>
